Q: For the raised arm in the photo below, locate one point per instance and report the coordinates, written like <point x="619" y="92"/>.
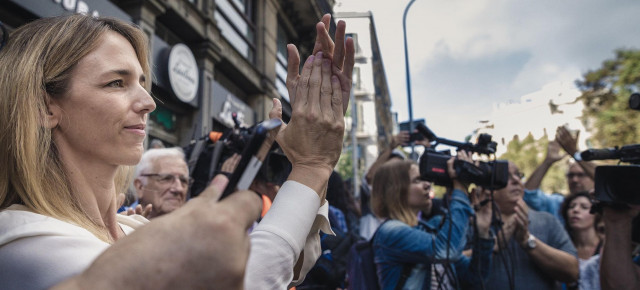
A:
<point x="570" y="145"/>
<point x="396" y="140"/>
<point x="312" y="141"/>
<point x="617" y="270"/>
<point x="341" y="53"/>
<point x="553" y="155"/>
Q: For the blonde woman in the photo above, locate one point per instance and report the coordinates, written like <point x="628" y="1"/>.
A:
<point x="73" y="108"/>
<point x="406" y="248"/>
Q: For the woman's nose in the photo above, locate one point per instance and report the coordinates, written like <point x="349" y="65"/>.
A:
<point x="144" y="102"/>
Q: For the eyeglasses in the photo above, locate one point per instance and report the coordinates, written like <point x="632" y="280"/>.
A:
<point x="167" y="179"/>
<point x="578" y="175"/>
<point x="517" y="174"/>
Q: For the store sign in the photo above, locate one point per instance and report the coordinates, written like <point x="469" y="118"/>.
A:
<point x="183" y="73"/>
<point x="77" y="6"/>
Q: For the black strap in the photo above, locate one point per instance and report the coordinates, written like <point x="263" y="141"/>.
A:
<point x="374" y="233"/>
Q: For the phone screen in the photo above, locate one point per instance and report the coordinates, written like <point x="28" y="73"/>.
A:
<point x="253" y="156"/>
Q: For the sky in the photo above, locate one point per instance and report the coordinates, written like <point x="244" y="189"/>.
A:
<point x="466" y="56"/>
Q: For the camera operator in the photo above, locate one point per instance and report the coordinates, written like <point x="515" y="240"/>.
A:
<point x="579" y="176"/>
<point x="406" y="248"/>
<point x="617" y="269"/>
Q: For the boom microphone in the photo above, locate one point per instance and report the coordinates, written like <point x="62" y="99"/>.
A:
<point x="600" y="154"/>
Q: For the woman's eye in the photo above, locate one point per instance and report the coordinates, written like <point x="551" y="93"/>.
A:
<point x="116" y="84"/>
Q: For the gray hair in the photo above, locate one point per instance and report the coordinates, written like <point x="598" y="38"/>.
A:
<point x="152" y="154"/>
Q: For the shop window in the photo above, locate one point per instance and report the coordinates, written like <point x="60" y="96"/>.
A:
<point x="355" y="41"/>
<point x="281" y="63"/>
<point x="236" y="22"/>
<point x="357" y="81"/>
<point x="359" y="117"/>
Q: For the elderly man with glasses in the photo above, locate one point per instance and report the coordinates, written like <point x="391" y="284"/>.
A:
<point x="162" y="181"/>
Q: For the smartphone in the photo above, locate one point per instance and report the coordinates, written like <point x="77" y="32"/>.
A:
<point x="253" y="155"/>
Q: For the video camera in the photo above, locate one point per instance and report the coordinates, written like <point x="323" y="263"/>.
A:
<point x="433" y="164"/>
<point x="616" y="184"/>
<point x="206" y="155"/>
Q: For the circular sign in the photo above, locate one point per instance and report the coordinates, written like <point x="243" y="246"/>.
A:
<point x="183" y="73"/>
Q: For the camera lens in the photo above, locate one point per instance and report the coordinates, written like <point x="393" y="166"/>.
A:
<point x="634" y="101"/>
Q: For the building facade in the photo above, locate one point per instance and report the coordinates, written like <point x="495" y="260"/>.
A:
<point x="371" y="119"/>
<point x="210" y="58"/>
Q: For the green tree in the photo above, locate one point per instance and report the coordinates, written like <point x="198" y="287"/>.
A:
<point x="345" y="163"/>
<point x="528" y="153"/>
<point x="605" y="93"/>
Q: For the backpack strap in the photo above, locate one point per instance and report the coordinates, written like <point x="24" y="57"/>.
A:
<point x="406" y="269"/>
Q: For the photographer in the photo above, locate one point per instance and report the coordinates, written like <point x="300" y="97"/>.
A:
<point x="617" y="269"/>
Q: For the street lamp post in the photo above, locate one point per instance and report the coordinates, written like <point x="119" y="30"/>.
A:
<point x="406" y="63"/>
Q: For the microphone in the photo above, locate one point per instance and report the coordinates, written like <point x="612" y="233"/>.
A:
<point x="599" y="154"/>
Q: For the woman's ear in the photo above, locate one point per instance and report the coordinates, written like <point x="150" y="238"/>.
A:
<point x="54" y="114"/>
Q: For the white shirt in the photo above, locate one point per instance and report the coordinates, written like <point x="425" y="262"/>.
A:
<point x="37" y="251"/>
<point x="282" y="234"/>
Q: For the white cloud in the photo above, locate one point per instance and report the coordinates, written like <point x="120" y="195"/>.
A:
<point x="467" y="55"/>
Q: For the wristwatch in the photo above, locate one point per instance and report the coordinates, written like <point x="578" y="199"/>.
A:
<point x="531" y="242"/>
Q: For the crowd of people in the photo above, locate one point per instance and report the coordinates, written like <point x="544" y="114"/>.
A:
<point x="68" y="158"/>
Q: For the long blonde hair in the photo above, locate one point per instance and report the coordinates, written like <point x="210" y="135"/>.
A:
<point x="36" y="65"/>
<point x="390" y="191"/>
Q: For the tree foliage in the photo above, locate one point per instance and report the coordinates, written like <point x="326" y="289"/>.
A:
<point x="605" y="93"/>
<point x="345" y="164"/>
<point x="528" y="153"/>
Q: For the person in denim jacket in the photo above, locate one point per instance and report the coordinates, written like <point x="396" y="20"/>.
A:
<point x="404" y="244"/>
